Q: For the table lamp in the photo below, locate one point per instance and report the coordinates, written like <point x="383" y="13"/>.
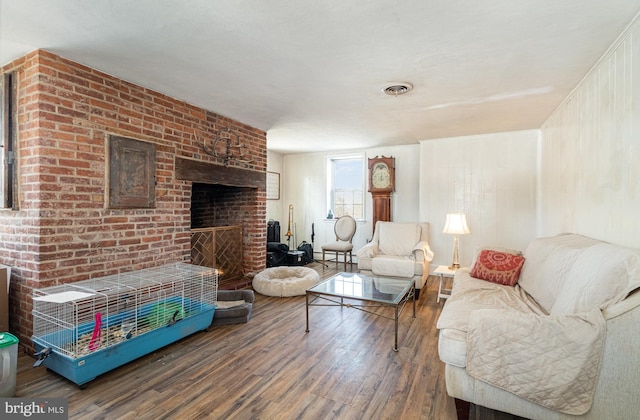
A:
<point x="456" y="224"/>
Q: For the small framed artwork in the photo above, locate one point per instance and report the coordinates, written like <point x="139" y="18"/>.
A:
<point x="132" y="173"/>
<point x="273" y="186"/>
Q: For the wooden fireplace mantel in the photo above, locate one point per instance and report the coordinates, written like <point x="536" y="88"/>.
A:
<point x="210" y="173"/>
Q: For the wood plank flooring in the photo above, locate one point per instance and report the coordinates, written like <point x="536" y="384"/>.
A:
<point x="269" y="368"/>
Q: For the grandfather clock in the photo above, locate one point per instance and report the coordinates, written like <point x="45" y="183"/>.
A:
<point x="382" y="178"/>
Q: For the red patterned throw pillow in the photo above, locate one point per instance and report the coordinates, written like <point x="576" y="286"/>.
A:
<point x="497" y="267"/>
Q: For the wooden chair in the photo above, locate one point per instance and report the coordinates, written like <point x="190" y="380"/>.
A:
<point x="345" y="229"/>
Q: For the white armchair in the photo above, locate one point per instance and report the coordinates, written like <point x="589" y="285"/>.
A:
<point x="398" y="250"/>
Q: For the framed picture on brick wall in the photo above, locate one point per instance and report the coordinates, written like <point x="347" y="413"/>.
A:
<point x="273" y="186"/>
<point x="132" y="172"/>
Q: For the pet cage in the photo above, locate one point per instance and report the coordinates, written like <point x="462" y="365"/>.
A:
<point x="86" y="328"/>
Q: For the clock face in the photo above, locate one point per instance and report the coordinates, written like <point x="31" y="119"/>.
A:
<point x="381" y="176"/>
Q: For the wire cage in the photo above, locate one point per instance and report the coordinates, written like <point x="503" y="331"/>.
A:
<point x="80" y="319"/>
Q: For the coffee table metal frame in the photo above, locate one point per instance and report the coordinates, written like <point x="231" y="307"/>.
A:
<point x="329" y="291"/>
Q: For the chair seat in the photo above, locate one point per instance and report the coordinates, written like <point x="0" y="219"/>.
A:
<point x="340" y="246"/>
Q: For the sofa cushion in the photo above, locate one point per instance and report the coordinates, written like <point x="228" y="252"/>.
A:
<point x="601" y="273"/>
<point x="547" y="263"/>
<point x="497" y="267"/>
<point x="398" y="238"/>
<point x="393" y="266"/>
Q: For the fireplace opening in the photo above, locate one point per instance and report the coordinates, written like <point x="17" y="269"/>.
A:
<point x="219" y="205"/>
<point x="220" y="216"/>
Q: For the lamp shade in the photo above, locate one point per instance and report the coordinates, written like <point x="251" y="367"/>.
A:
<point x="456" y="224"/>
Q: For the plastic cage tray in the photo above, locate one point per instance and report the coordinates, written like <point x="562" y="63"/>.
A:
<point x="84" y="329"/>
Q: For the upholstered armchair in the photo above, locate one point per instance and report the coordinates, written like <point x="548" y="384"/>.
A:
<point x="398" y="250"/>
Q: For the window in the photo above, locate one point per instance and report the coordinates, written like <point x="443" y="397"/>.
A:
<point x="7" y="121"/>
<point x="346" y="186"/>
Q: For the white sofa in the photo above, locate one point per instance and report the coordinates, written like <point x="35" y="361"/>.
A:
<point x="560" y="344"/>
<point x="398" y="250"/>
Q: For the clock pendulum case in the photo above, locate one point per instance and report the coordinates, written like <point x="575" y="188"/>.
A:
<point x="381" y="185"/>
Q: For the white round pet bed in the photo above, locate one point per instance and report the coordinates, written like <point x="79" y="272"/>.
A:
<point x="285" y="281"/>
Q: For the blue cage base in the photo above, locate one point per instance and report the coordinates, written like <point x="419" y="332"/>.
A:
<point x="84" y="369"/>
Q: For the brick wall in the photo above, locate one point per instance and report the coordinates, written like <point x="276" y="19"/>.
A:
<point x="63" y="230"/>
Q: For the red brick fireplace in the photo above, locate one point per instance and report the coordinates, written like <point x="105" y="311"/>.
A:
<point x="63" y="229"/>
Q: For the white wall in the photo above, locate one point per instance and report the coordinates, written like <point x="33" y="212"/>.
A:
<point x="303" y="178"/>
<point x="492" y="179"/>
<point x="590" y="154"/>
<point x="304" y="185"/>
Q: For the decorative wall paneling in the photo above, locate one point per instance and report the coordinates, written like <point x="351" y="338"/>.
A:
<point x="590" y="154"/>
<point x="491" y="178"/>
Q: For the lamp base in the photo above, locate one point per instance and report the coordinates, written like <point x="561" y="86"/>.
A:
<point x="455" y="261"/>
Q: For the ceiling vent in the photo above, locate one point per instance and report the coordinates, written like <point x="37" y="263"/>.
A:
<point x="397" y="88"/>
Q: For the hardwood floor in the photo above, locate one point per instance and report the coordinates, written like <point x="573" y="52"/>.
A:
<point x="269" y="368"/>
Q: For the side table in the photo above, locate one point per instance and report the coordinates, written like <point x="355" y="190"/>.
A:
<point x="444" y="271"/>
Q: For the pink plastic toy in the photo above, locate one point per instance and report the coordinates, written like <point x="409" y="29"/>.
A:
<point x="97" y="333"/>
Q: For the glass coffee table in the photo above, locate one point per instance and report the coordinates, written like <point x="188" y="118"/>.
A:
<point x="369" y="291"/>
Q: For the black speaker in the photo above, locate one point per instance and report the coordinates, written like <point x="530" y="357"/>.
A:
<point x="273" y="231"/>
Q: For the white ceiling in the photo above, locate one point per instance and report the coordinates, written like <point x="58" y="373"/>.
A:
<point x="310" y="72"/>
